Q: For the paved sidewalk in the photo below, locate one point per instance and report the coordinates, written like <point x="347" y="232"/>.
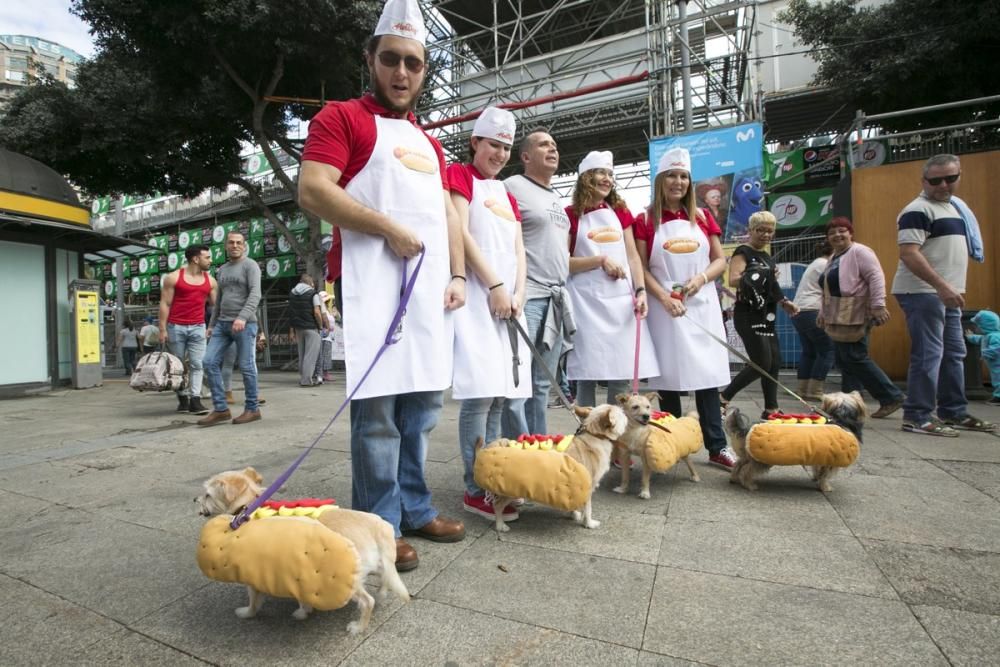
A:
<point x="899" y="565"/>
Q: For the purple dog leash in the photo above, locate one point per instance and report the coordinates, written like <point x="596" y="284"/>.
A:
<point x="392" y="337"/>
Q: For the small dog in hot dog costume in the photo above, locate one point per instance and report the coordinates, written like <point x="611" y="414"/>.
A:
<point x="320" y="556"/>
<point x="822" y="447"/>
<point x="563" y="476"/>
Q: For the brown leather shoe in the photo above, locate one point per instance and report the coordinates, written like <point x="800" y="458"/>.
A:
<point x="215" y="418"/>
<point x="441" y="530"/>
<point x="406" y="556"/>
<point x="247" y="417"/>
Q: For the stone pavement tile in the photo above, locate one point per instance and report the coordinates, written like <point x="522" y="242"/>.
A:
<point x="157" y="464"/>
<point x="729" y="621"/>
<point x="649" y="659"/>
<point x="882" y="443"/>
<point x="130" y="648"/>
<point x="166" y="506"/>
<point x="39" y="628"/>
<point x="945" y="513"/>
<point x="631" y="536"/>
<point x="967" y="447"/>
<point x="966" y="638"/>
<point x="117" y="569"/>
<point x="584" y="595"/>
<point x="445" y="475"/>
<point x="814" y="560"/>
<point x="786" y="500"/>
<point x="427" y="633"/>
<point x="951" y="578"/>
<point x="982" y="476"/>
<point x="894" y="467"/>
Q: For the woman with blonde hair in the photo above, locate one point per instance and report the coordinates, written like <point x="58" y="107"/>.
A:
<point x="754" y="274"/>
<point x="606" y="285"/>
<point x="682" y="256"/>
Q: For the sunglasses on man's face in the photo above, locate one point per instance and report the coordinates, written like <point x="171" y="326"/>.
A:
<point x="949" y="179"/>
<point x="391" y="60"/>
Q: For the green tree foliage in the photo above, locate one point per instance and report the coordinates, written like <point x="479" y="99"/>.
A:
<point x="176" y="88"/>
<point x="903" y="54"/>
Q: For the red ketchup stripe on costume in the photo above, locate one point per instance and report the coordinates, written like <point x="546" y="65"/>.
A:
<point x="302" y="502"/>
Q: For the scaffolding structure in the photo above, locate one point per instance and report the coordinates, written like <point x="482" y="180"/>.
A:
<point x="596" y="74"/>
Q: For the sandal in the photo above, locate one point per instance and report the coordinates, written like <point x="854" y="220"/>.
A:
<point x="932" y="427"/>
<point x="970" y="423"/>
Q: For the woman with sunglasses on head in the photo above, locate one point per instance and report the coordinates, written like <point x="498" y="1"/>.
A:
<point x="682" y="256"/>
<point x="492" y="362"/>
<point x="853" y="302"/>
<point x="754" y="274"/>
<point x="606" y="286"/>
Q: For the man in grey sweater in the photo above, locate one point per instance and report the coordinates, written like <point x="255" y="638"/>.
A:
<point x="234" y="321"/>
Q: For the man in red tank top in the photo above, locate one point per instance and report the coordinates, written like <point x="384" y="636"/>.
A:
<point x="183" y="294"/>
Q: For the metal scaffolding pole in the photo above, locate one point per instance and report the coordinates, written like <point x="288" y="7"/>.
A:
<point x="685" y="64"/>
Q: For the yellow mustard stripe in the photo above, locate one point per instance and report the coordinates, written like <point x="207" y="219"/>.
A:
<point x="16" y="203"/>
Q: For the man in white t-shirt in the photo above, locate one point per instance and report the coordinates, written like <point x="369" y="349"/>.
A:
<point x="149" y="335"/>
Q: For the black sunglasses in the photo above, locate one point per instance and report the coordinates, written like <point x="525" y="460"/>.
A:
<point x="391" y="60"/>
<point x="951" y="178"/>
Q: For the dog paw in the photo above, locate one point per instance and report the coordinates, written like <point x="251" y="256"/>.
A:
<point x="300" y="614"/>
<point x="696" y="478"/>
<point x="644" y="494"/>
<point x="245" y="612"/>
<point x="825" y="487"/>
<point x="578" y="516"/>
<point x="354" y="628"/>
<point x="593" y="523"/>
<point x="620" y="489"/>
<point x="502" y="528"/>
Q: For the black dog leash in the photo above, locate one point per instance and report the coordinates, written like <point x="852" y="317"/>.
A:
<point x="538" y="359"/>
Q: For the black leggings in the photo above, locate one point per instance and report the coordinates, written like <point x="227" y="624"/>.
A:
<point x="706" y="401"/>
<point x="761" y="342"/>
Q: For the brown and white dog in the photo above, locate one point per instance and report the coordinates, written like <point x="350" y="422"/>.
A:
<point x="849" y="411"/>
<point x="591" y="448"/>
<point x="638" y="408"/>
<point x="229" y="492"/>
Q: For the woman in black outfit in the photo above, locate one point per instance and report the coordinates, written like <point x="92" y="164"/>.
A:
<point x="754" y="274"/>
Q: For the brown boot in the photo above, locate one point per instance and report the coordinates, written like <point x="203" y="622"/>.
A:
<point x="815" y="390"/>
<point x="406" y="556"/>
<point x="441" y="530"/>
<point x="229" y="398"/>
<point x="247" y="417"/>
<point x="215" y="418"/>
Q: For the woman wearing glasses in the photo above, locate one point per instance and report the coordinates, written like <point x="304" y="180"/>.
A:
<point x="492" y="362"/>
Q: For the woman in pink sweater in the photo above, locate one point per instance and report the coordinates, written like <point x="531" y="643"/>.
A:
<point x="854" y="291"/>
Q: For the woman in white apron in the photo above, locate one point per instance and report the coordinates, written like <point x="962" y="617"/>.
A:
<point x="606" y="285"/>
<point x="492" y="362"/>
<point x="679" y="244"/>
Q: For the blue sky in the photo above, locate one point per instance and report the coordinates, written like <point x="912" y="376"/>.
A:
<point x="48" y="19"/>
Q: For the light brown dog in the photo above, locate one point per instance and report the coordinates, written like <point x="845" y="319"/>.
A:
<point x="229" y="492"/>
<point x="591" y="448"/>
<point x="850" y="412"/>
<point x="638" y="409"/>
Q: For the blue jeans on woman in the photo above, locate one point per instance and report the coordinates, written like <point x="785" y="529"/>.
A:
<point x="860" y="371"/>
<point x="586" y="391"/>
<point x="246" y="348"/>
<point x="816" y="359"/>
<point x="389" y="440"/>
<point x="478" y="418"/>
<point x="535" y="407"/>
<point x="937" y="359"/>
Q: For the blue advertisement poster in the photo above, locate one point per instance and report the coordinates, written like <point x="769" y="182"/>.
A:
<point x="727" y="171"/>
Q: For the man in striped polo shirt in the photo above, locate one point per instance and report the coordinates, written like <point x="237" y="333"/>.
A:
<point x="937" y="233"/>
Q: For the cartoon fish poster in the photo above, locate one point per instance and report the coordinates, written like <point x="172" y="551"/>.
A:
<point x="728" y="172"/>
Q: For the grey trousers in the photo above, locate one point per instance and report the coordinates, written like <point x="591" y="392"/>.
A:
<point x="309" y="343"/>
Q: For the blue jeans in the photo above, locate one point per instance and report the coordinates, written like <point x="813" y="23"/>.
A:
<point x="937" y="354"/>
<point x="246" y="347"/>
<point x="859" y="371"/>
<point x="189" y="339"/>
<point x="709" y="408"/>
<point x="128" y="359"/>
<point x="389" y="438"/>
<point x="535" y="407"/>
<point x="586" y="391"/>
<point x="817" y="348"/>
<point x="478" y="418"/>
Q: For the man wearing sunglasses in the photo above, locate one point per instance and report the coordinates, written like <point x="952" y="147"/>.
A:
<point x="937" y="235"/>
<point x="369" y="168"/>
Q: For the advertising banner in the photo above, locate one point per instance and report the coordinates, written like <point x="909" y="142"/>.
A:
<point x="218" y="254"/>
<point x="784" y="169"/>
<point x="256" y="228"/>
<point x="814" y="160"/>
<point x="802" y="208"/>
<point x="175" y="260"/>
<point x="285" y="247"/>
<point x="255" y="248"/>
<point x="727" y="172"/>
<point x="870" y="153"/>
<point x="140" y="285"/>
<point x="281" y="267"/>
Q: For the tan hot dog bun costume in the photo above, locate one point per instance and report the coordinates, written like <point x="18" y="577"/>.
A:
<point x="534" y="467"/>
<point x="282" y="556"/>
<point x="784" y="444"/>
<point x="664" y="449"/>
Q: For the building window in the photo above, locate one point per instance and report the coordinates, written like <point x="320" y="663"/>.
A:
<point x="15" y="76"/>
<point x="51" y="69"/>
<point x="17" y="62"/>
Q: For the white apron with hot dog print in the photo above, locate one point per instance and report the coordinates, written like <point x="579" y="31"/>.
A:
<point x="484" y="356"/>
<point x="689" y="358"/>
<point x="604" y="344"/>
<point x="402" y="179"/>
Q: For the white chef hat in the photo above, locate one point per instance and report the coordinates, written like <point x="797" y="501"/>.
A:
<point x="498" y="124"/>
<point x="402" y="18"/>
<point x="597" y="160"/>
<point x="675" y="158"/>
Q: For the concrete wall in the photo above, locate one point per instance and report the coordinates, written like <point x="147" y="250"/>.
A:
<point x="23" y="337"/>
